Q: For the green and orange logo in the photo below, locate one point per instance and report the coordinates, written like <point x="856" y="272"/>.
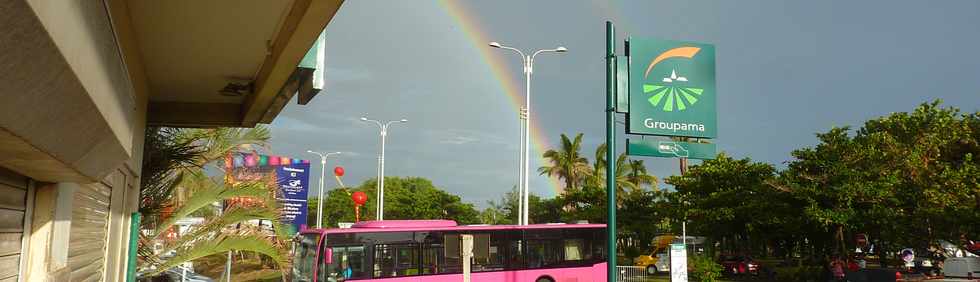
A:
<point x="674" y="92"/>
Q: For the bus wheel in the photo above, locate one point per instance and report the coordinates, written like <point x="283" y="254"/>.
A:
<point x="544" y="279"/>
<point x="652" y="269"/>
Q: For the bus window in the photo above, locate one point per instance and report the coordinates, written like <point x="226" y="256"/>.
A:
<point x="347" y="263"/>
<point x="493" y="247"/>
<point x="544" y="247"/>
<point x="304" y="257"/>
<point x="453" y="260"/>
<point x="432" y="258"/>
<point x="573" y="249"/>
<point x="396" y="260"/>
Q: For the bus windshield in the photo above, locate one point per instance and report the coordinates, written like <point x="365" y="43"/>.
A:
<point x="304" y="257"/>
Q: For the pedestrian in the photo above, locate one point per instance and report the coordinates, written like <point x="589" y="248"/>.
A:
<point x="837" y="268"/>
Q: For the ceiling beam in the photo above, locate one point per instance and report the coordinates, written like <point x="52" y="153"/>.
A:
<point x="179" y="114"/>
<point x="301" y="27"/>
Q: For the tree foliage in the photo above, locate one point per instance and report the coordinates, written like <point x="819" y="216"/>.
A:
<point x="907" y="179"/>
<point x="405" y="198"/>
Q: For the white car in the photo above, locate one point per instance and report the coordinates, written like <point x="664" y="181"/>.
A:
<point x="967" y="267"/>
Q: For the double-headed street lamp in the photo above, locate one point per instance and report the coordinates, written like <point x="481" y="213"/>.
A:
<point x="381" y="163"/>
<point x="319" y="198"/>
<point x="524" y="174"/>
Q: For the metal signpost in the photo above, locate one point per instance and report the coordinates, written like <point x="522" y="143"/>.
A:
<point x="610" y="151"/>
<point x="666" y="88"/>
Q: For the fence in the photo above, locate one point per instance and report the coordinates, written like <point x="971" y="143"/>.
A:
<point x="633" y="274"/>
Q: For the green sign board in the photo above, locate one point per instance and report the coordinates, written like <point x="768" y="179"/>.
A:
<point x="670" y="149"/>
<point x="672" y="89"/>
<point x="622" y="84"/>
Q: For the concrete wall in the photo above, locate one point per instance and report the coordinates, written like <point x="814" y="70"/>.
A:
<point x="71" y="114"/>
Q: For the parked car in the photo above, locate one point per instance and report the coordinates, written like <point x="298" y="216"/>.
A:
<point x="173" y="275"/>
<point x="966" y="267"/>
<point x="739" y="265"/>
<point x="926" y="266"/>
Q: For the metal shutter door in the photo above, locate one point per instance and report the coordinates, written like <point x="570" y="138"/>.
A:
<point x="89" y="223"/>
<point x="13" y="203"/>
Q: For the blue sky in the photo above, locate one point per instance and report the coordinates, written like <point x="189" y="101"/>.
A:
<point x="785" y="70"/>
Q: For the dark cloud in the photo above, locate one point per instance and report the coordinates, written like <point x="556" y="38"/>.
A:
<point x="785" y="71"/>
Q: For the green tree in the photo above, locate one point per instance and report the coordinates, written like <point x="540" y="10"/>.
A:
<point x="505" y="210"/>
<point x="727" y="198"/>
<point x="639" y="176"/>
<point x="566" y="163"/>
<point x="405" y="198"/>
<point x="598" y="177"/>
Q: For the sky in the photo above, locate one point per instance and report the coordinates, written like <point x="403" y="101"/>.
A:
<point x="785" y="71"/>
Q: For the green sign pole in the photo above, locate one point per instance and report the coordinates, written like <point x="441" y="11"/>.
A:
<point x="134" y="236"/>
<point x="610" y="151"/>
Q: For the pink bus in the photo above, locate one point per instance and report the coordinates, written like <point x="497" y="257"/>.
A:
<point x="429" y="250"/>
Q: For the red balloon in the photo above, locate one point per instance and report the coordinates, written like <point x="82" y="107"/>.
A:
<point x="338" y="171"/>
<point x="359" y="197"/>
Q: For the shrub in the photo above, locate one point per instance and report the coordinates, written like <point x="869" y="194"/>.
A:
<point x="704" y="269"/>
<point x="798" y="273"/>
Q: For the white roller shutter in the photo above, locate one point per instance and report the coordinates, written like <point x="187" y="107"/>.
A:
<point x="89" y="223"/>
<point x="13" y="206"/>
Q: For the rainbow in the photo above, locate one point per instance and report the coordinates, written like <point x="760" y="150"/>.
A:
<point x="505" y="77"/>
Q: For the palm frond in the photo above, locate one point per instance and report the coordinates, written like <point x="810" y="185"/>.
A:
<point x="223" y="243"/>
<point x="209" y="193"/>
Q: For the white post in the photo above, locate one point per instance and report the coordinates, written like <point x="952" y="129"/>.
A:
<point x="684" y="232"/>
<point x="183" y="273"/>
<point x="319" y="198"/>
<point x="520" y="173"/>
<point x="527" y="137"/>
<point x="467" y="254"/>
<point x="377" y="183"/>
<point x="381" y="171"/>
<point x="228" y="268"/>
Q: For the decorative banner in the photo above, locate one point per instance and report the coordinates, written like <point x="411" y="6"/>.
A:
<point x="294" y="184"/>
<point x="672" y="89"/>
<point x="670" y="149"/>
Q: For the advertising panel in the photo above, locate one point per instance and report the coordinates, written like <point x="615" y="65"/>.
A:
<point x="288" y="178"/>
<point x="672" y="89"/>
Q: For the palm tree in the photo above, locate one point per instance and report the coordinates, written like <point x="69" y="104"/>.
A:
<point x="215" y="236"/>
<point x="174" y="161"/>
<point x="638" y="175"/>
<point x="598" y="178"/>
<point x="567" y="164"/>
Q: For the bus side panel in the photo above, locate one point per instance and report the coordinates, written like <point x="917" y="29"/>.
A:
<point x="596" y="273"/>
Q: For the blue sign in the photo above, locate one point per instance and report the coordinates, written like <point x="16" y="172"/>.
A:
<point x="294" y="183"/>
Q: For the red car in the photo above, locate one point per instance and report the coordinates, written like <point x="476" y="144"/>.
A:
<point x="739" y="265"/>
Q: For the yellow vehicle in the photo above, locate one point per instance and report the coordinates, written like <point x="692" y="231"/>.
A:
<point x="657" y="260"/>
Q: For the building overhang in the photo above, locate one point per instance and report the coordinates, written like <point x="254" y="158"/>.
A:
<point x="214" y="68"/>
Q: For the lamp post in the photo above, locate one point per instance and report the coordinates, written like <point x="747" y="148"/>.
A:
<point x="524" y="174"/>
<point x="381" y="162"/>
<point x="319" y="198"/>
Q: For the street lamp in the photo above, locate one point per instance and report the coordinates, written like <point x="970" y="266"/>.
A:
<point x="381" y="163"/>
<point x="319" y="198"/>
<point x="525" y="116"/>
